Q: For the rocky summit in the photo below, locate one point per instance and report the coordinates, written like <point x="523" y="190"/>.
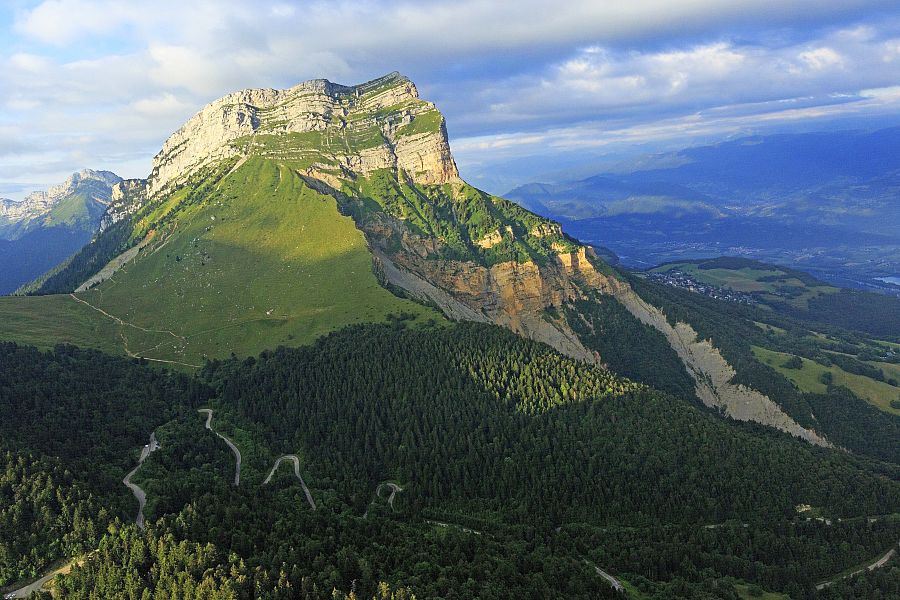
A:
<point x="329" y="130"/>
<point x="96" y="184"/>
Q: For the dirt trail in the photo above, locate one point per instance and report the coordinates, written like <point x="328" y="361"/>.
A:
<point x="123" y="324"/>
<point x="237" y="453"/>
<point x="296" y="461"/>
<point x="37" y="585"/>
<point x="871" y="567"/>
<point x="139" y="494"/>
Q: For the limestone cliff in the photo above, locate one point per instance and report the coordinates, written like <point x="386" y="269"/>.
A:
<point x="326" y="129"/>
<point x="127" y="197"/>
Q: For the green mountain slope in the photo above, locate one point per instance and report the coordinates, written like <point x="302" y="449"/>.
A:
<point x="237" y="243"/>
<point x="257" y="260"/>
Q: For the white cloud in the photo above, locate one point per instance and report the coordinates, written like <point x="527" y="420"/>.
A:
<point x="820" y="59"/>
<point x="104" y="81"/>
<point x="62" y="21"/>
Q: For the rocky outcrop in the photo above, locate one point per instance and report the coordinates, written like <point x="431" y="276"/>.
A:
<point x="126" y="198"/>
<point x="712" y="374"/>
<point x="513" y="294"/>
<point x="351" y="129"/>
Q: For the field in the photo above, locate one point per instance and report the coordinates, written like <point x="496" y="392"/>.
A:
<point x="808" y="379"/>
<point x="770" y="284"/>
<point x="262" y="261"/>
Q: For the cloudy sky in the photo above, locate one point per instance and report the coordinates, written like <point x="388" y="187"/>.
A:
<point x="531" y="89"/>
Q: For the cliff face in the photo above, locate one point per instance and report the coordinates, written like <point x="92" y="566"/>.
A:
<point x="512" y="293"/>
<point x="324" y="128"/>
<point x="126" y="198"/>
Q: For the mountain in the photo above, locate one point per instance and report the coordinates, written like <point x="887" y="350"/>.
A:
<point x="470" y="402"/>
<point x="273" y="217"/>
<point x="823" y="202"/>
<point x="48" y="226"/>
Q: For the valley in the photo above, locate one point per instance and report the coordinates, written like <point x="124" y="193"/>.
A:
<point x="809" y="201"/>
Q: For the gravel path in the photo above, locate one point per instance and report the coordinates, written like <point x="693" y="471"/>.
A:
<point x="135" y="488"/>
<point x="237" y="453"/>
<point x="296" y="461"/>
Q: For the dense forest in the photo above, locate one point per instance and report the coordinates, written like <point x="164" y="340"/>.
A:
<point x="520" y="471"/>
<point x="71" y="424"/>
<point x="628" y="347"/>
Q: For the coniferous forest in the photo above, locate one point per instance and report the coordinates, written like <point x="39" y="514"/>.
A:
<point x="519" y="472"/>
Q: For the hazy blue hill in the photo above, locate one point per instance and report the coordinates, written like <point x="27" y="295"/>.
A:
<point x="36" y="252"/>
<point x="53" y="226"/>
<point x="825" y="202"/>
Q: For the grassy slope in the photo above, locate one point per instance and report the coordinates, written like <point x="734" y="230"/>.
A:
<point x="262" y="261"/>
<point x="876" y="393"/>
<point x="45" y="321"/>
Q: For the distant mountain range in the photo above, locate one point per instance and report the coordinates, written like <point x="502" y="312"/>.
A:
<point x="824" y="202"/>
<point x="48" y="226"/>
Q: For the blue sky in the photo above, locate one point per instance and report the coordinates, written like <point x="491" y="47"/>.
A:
<point x="531" y="89"/>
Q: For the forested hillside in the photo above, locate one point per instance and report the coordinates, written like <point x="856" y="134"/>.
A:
<point x="515" y="465"/>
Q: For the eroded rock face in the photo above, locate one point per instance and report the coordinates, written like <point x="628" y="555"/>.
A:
<point x="512" y="294"/>
<point x="713" y="375"/>
<point x="127" y="197"/>
<point x="357" y="130"/>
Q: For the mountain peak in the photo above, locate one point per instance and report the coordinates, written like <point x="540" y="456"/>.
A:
<point x="317" y="127"/>
<point x="41" y="202"/>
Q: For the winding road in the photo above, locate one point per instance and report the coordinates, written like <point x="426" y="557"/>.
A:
<point x="394" y="489"/>
<point x="875" y="565"/>
<point x="135" y="488"/>
<point x="296" y="460"/>
<point x="390" y="500"/>
<point x="38" y="585"/>
<point x="237" y="453"/>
